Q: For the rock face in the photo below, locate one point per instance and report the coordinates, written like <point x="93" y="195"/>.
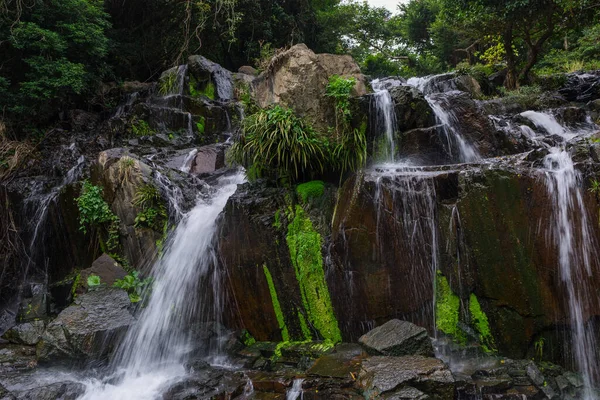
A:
<point x="106" y="268"/>
<point x="298" y="79"/>
<point x="88" y="329"/>
<point x="28" y="333"/>
<point x="412" y="110"/>
<point x="397" y="338"/>
<point x="208" y="159"/>
<point x="408" y="377"/>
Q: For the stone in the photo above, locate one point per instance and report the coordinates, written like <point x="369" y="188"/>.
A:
<point x="581" y="87"/>
<point x="248" y="70"/>
<point x="5" y="394"/>
<point x="55" y="391"/>
<point x="28" y="333"/>
<point x="424" y="146"/>
<point x="88" y="329"/>
<point x="35" y="303"/>
<point x="204" y="70"/>
<point x="106" y="268"/>
<point x="298" y="78"/>
<point x="386" y="376"/>
<point x="412" y="110"/>
<point x="208" y="159"/>
<point x="81" y="120"/>
<point x="397" y="338"/>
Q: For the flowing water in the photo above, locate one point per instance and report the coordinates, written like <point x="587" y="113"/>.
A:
<point x="295" y="392"/>
<point x="385" y="117"/>
<point x="154" y="350"/>
<point x="572" y="235"/>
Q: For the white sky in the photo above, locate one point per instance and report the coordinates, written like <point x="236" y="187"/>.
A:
<point x="389" y="4"/>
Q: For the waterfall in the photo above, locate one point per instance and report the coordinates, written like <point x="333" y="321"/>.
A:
<point x="385" y="117"/>
<point x="572" y="235"/>
<point x="296" y="391"/>
<point x="154" y="350"/>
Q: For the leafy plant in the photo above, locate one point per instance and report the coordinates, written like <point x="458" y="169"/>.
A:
<point x="200" y="125"/>
<point x="594" y="187"/>
<point x="167" y="83"/>
<point x="339" y="90"/>
<point x="153" y="212"/>
<point x="539" y="347"/>
<point x="275" y="139"/>
<point x="127" y="169"/>
<point x="95" y="212"/>
<point x="140" y="127"/>
<point x="133" y="285"/>
<point x="93" y="281"/>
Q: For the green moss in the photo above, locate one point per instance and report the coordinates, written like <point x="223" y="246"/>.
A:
<point x="277" y="223"/>
<point x="480" y="322"/>
<point x="304" y="326"/>
<point x="447" y="307"/>
<point x="75" y="286"/>
<point x="247" y="339"/>
<point x="139" y="128"/>
<point x="276" y="305"/>
<point x="304" y="244"/>
<point x="201" y="125"/>
<point x="310" y="190"/>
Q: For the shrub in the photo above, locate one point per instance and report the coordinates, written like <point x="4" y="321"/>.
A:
<point x="310" y="190"/>
<point x="133" y="285"/>
<point x="153" y="213"/>
<point x="95" y="212"/>
<point x="276" y="140"/>
<point x="140" y="127"/>
<point x="339" y="90"/>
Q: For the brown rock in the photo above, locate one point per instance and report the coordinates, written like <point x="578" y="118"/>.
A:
<point x="106" y="268"/>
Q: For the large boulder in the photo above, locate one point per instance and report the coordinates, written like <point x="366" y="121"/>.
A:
<point x="397" y="338"/>
<point x="67" y="390"/>
<point x="298" y="78"/>
<point x="106" y="268"/>
<point x="208" y="159"/>
<point x="408" y="377"/>
<point x="28" y="333"/>
<point x="205" y="71"/>
<point x="88" y="329"/>
<point x="412" y="110"/>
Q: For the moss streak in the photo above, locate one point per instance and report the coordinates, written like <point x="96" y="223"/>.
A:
<point x="276" y="305"/>
<point x="304" y="244"/>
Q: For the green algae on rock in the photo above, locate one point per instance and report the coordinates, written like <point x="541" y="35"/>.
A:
<point x="276" y="305"/>
<point x="304" y="244"/>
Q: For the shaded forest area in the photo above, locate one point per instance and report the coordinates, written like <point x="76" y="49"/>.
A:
<point x="62" y="54"/>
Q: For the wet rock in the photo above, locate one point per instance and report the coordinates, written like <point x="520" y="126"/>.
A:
<point x="208" y="159"/>
<point x="412" y="110"/>
<point x="424" y="146"/>
<point x="386" y="376"/>
<point x="28" y="333"/>
<point x="298" y="78"/>
<point x="343" y="362"/>
<point x="35" y="304"/>
<point x="82" y="120"/>
<point x="582" y="87"/>
<point x="451" y="81"/>
<point x="248" y="70"/>
<point x="106" y="268"/>
<point x="397" y="338"/>
<point x="55" y="391"/>
<point x="572" y="116"/>
<point x="204" y="71"/>
<point x="208" y="384"/>
<point x="88" y="329"/>
<point x="5" y="394"/>
<point x="16" y="358"/>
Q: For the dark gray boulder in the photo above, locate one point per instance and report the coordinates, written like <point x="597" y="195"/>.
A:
<point x="412" y="376"/>
<point x="28" y="333"/>
<point x="106" y="268"/>
<point x="412" y="110"/>
<point x="55" y="391"/>
<point x="88" y="329"/>
<point x="397" y="338"/>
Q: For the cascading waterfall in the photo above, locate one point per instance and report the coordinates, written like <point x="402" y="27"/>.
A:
<point x="415" y="196"/>
<point x="295" y="392"/>
<point x="153" y="352"/>
<point x="571" y="233"/>
<point x="385" y="117"/>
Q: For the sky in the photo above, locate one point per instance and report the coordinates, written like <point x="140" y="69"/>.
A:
<point x="389" y="4"/>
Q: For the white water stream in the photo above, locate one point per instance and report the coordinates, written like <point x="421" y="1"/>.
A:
<point x="154" y="350"/>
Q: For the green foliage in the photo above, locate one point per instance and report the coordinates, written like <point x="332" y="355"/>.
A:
<point x="275" y="140"/>
<point x="480" y="322"/>
<point x="133" y="285"/>
<point x="200" y="125"/>
<point x="310" y="190"/>
<point x="594" y="187"/>
<point x="95" y="212"/>
<point x="304" y="244"/>
<point x="52" y="51"/>
<point x="339" y="89"/>
<point x="140" y="127"/>
<point x="167" y="83"/>
<point x="153" y="213"/>
<point x="447" y="307"/>
<point x="539" y="347"/>
<point x="209" y="89"/>
<point x="93" y="281"/>
<point x="276" y="305"/>
<point x="277" y="223"/>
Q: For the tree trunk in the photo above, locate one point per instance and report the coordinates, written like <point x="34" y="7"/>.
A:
<point x="510" y="82"/>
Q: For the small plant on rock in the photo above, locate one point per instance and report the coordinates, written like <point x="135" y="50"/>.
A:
<point x="140" y="127"/>
<point x="133" y="285"/>
<point x="153" y="213"/>
<point x="95" y="212"/>
<point x="93" y="282"/>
